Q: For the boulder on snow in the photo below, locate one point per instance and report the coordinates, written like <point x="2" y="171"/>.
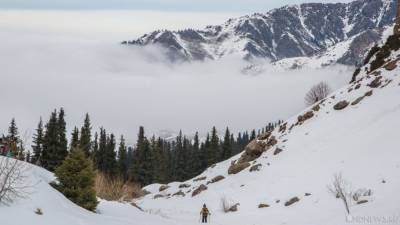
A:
<point x="307" y="194"/>
<point x="158" y="196"/>
<point x="264" y="136"/>
<point x="216" y="179"/>
<point x="233" y="208"/>
<point x="252" y="151"/>
<point x="357" y="86"/>
<point x="200" y="179"/>
<point x="341" y="105"/>
<point x="391" y="65"/>
<point x="368" y="93"/>
<point x="306" y="116"/>
<point x="263" y="205"/>
<point x="292" y="201"/>
<point x="362" y="202"/>
<point x="237" y="167"/>
<point x="184" y="186"/>
<point x="376" y="82"/>
<point x="163" y="188"/>
<point x="358" y="100"/>
<point x="316" y="108"/>
<point x="282" y="128"/>
<point x="179" y="193"/>
<point x="198" y="190"/>
<point x="255" y="168"/>
<point x="277" y="151"/>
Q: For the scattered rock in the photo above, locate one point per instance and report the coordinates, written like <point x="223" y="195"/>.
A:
<point x="376" y="82"/>
<point x="341" y="105"/>
<point x="350" y="89"/>
<point x="198" y="190"/>
<point x="376" y="73"/>
<point x="252" y="151"/>
<point x="383" y="181"/>
<point x="292" y="201"/>
<point x="362" y="202"/>
<point x="316" y="108"/>
<point x="255" y="168"/>
<point x="307" y="194"/>
<point x="264" y="136"/>
<point x="242" y="185"/>
<point x="233" y="208"/>
<point x="236" y="168"/>
<point x="200" y="179"/>
<point x="213" y="165"/>
<point x="216" y="179"/>
<point x="282" y="128"/>
<point x="158" y="196"/>
<point x="306" y="116"/>
<point x="262" y="205"/>
<point x="277" y="151"/>
<point x="163" y="188"/>
<point x="179" y="193"/>
<point x="391" y="65"/>
<point x="39" y="211"/>
<point x="368" y="93"/>
<point x="277" y="201"/>
<point x="184" y="186"/>
<point x="358" y="100"/>
<point x="357" y="86"/>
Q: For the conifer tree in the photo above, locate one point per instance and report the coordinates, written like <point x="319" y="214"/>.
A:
<point x="214" y="147"/>
<point x="37" y="141"/>
<point x="111" y="167"/>
<point x="122" y="159"/>
<point x="74" y="139"/>
<point x="49" y="159"/>
<point x="95" y="150"/>
<point x="76" y="177"/>
<point x="13" y="131"/>
<point x="85" y="141"/>
<point x="62" y="146"/>
<point x="227" y="145"/>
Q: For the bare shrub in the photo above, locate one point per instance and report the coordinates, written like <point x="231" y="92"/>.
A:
<point x="12" y="180"/>
<point x="340" y="189"/>
<point x="317" y="93"/>
<point x="116" y="189"/>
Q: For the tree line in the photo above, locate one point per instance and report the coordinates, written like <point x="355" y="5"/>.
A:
<point x="151" y="160"/>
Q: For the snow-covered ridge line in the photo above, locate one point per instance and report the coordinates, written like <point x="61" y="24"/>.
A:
<point x="305" y="30"/>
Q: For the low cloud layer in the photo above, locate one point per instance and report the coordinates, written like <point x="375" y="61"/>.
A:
<point x="124" y="87"/>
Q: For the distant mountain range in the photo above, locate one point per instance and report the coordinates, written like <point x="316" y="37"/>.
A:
<point x="309" y="30"/>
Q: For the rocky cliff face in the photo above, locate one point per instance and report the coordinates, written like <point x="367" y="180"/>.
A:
<point x="291" y="31"/>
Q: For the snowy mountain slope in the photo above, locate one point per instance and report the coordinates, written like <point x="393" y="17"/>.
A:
<point x="360" y="141"/>
<point x="57" y="210"/>
<point x="292" y="31"/>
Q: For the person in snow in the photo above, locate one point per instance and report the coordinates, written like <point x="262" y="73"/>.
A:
<point x="204" y="213"/>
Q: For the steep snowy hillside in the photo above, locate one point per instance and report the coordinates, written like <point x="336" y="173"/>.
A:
<point x="291" y="31"/>
<point x="353" y="132"/>
<point x="57" y="210"/>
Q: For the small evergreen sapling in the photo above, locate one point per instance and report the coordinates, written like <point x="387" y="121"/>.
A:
<point x="76" y="177"/>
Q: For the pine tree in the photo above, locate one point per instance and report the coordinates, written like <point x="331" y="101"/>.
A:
<point x="37" y="141"/>
<point x="226" y="146"/>
<point x="195" y="161"/>
<point x="111" y="167"/>
<point x="62" y="146"/>
<point x="180" y="158"/>
<point x="13" y="131"/>
<point x="76" y="180"/>
<point x="122" y="159"/>
<point x="85" y="141"/>
<point x="214" y="147"/>
<point x="142" y="168"/>
<point x="74" y="139"/>
<point x="95" y="150"/>
<point x="253" y="135"/>
<point x="49" y="159"/>
<point x="101" y="153"/>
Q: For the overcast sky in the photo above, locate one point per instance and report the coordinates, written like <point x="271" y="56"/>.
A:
<point x="246" y="6"/>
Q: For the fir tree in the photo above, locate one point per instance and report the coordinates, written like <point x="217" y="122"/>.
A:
<point x="74" y="139"/>
<point x="85" y="141"/>
<point x="37" y="141"/>
<point x="214" y="147"/>
<point x="49" y="158"/>
<point x="122" y="159"/>
<point x="13" y="131"/>
<point x="76" y="177"/>
<point x="62" y="146"/>
<point x="226" y="146"/>
<point x="111" y="167"/>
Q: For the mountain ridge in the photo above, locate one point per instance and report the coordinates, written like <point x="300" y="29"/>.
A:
<point x="303" y="30"/>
